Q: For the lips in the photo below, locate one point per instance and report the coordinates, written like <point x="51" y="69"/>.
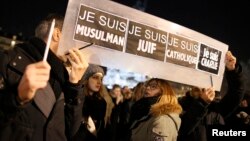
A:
<point x="146" y="93"/>
<point x="98" y="87"/>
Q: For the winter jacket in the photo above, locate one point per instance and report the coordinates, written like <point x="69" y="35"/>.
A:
<point x="199" y="117"/>
<point x="163" y="127"/>
<point x="55" y="112"/>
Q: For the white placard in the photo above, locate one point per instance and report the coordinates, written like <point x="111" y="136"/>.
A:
<point x="129" y="39"/>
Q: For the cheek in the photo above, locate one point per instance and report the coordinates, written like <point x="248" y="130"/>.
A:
<point x="92" y="86"/>
<point x="155" y="92"/>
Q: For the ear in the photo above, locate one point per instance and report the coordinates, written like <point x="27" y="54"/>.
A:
<point x="56" y="34"/>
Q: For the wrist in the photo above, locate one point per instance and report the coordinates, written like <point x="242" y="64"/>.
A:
<point x="20" y="101"/>
<point x="204" y="102"/>
<point x="73" y="81"/>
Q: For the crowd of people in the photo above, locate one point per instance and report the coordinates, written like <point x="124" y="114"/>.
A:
<point x="50" y="101"/>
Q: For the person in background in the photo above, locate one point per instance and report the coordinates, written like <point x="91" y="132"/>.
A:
<point x="155" y="117"/>
<point x="116" y="94"/>
<point x="241" y="116"/>
<point x="94" y="111"/>
<point x="126" y="92"/>
<point x="115" y="128"/>
<point x="124" y="114"/>
<point x="137" y="94"/>
<point x="138" y="91"/>
<point x="40" y="100"/>
<point x="126" y="106"/>
<point x="201" y="113"/>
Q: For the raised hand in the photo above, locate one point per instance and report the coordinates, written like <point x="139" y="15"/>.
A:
<point x="207" y="95"/>
<point x="230" y="61"/>
<point x="35" y="76"/>
<point x="78" y="65"/>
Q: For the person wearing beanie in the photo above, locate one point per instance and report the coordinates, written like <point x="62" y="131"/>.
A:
<point x="95" y="105"/>
<point x="91" y="70"/>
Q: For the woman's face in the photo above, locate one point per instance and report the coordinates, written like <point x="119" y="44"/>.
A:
<point x="95" y="82"/>
<point x="117" y="92"/>
<point x="244" y="103"/>
<point x="152" y="88"/>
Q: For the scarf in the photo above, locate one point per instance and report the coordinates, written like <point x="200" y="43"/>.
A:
<point x="142" y="107"/>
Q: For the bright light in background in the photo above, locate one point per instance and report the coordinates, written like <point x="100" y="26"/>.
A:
<point x="131" y="79"/>
<point x="122" y="78"/>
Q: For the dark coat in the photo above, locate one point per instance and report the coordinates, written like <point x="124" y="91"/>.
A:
<point x="94" y="107"/>
<point x="55" y="112"/>
<point x="199" y="117"/>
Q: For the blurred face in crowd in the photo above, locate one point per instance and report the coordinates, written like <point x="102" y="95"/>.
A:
<point x="95" y="82"/>
<point x="196" y="92"/>
<point x="244" y="103"/>
<point x="152" y="88"/>
<point x="127" y="92"/>
<point x="117" y="91"/>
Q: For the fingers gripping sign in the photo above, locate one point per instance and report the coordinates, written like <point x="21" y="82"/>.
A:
<point x="230" y="61"/>
<point x="78" y="65"/>
<point x="208" y="94"/>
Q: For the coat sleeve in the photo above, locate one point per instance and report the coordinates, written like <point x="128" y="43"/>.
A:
<point x="13" y="121"/>
<point x="192" y="116"/>
<point x="9" y="106"/>
<point x="235" y="92"/>
<point x="74" y="99"/>
<point x="164" y="129"/>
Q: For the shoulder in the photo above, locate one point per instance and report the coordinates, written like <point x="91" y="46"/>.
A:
<point x="13" y="63"/>
<point x="19" y="59"/>
<point x="166" y="123"/>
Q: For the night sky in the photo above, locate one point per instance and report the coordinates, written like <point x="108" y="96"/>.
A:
<point x="226" y="22"/>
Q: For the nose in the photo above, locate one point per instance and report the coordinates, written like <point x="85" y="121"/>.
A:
<point x="99" y="81"/>
<point x="147" y="88"/>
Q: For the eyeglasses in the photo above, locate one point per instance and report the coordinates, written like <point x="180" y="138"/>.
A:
<point x="152" y="85"/>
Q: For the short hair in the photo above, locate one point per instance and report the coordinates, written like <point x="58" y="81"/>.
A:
<point x="42" y="29"/>
<point x="116" y="86"/>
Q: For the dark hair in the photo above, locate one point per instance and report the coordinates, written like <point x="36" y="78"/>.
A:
<point x="138" y="91"/>
<point x="116" y="86"/>
<point x="42" y="30"/>
<point x="246" y="97"/>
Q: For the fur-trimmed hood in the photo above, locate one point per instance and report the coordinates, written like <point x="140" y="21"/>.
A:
<point x="163" y="109"/>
